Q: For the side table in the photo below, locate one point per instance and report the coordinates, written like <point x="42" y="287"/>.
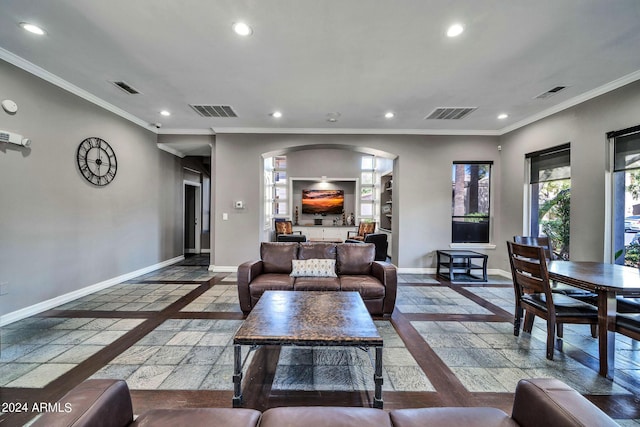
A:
<point x="460" y="265"/>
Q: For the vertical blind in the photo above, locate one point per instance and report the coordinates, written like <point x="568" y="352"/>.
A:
<point x="551" y="164"/>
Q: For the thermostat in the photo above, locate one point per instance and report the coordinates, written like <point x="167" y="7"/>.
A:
<point x="239" y="204"/>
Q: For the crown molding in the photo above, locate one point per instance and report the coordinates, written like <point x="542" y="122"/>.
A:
<point x="349" y="131"/>
<point x="175" y="131"/>
<point x="171" y="150"/>
<point x="611" y="86"/>
<point x="63" y="84"/>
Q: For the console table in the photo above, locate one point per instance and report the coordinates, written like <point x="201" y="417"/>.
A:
<point x="462" y="265"/>
<point x="325" y="233"/>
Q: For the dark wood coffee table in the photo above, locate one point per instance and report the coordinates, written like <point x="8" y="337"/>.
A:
<point x="289" y="318"/>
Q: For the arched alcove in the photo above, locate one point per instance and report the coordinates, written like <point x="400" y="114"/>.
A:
<point x="338" y="164"/>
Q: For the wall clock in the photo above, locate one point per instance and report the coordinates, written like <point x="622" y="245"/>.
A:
<point x="97" y="161"/>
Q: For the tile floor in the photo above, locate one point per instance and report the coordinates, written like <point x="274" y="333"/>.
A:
<point x="196" y="353"/>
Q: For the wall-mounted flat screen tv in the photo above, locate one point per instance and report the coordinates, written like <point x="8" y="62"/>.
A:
<point x="322" y="201"/>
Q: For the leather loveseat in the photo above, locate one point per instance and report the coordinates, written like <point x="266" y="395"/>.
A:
<point x="538" y="402"/>
<point x="355" y="270"/>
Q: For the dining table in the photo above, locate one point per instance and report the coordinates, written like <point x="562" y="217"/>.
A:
<point x="608" y="281"/>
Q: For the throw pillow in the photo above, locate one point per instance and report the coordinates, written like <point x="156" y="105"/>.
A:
<point x="313" y="268"/>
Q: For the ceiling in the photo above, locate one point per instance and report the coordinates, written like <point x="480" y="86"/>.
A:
<point x="310" y="58"/>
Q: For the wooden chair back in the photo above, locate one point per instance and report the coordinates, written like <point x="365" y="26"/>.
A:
<point x="529" y="271"/>
<point x="543" y="241"/>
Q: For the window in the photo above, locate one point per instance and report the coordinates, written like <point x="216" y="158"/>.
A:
<point x="275" y="189"/>
<point x="550" y="196"/>
<point x="470" y="184"/>
<point x="626" y="196"/>
<point x="367" y="188"/>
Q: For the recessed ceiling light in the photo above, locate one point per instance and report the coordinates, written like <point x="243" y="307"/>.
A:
<point x="389" y="115"/>
<point x="333" y="117"/>
<point x="276" y="114"/>
<point x="32" y="28"/>
<point x="455" y="30"/>
<point x="165" y="113"/>
<point x="503" y="116"/>
<point x="242" y="29"/>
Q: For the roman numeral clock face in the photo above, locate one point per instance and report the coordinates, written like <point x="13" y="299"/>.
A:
<point x="97" y="161"/>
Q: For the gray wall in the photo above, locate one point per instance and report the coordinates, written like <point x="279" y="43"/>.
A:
<point x="422" y="193"/>
<point x="585" y="127"/>
<point x="58" y="233"/>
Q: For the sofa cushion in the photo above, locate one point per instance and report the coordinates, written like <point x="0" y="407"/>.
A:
<point x="210" y="417"/>
<point x="317" y="284"/>
<point x="368" y="286"/>
<point x="276" y="256"/>
<point x="445" y="417"/>
<point x="270" y="282"/>
<point x="316" y="416"/>
<point x="355" y="258"/>
<point x="313" y="268"/>
<point x="322" y="250"/>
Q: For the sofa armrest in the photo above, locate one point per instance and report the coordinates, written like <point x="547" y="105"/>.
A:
<point x="246" y="273"/>
<point x="105" y="403"/>
<point x="387" y="274"/>
<point x="550" y="402"/>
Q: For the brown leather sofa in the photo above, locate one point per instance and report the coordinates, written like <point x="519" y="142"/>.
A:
<point x="356" y="270"/>
<point x="538" y="402"/>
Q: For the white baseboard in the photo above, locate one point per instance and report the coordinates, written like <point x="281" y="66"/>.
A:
<point x="223" y="269"/>
<point x="63" y="299"/>
<point x="416" y="270"/>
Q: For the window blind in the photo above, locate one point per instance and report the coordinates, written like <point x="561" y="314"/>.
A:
<point x="626" y="152"/>
<point x="551" y="164"/>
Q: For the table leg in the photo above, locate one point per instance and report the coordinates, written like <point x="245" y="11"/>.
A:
<point x="484" y="268"/>
<point x="237" y="376"/>
<point x="377" y="379"/>
<point x="452" y="260"/>
<point x="606" y="332"/>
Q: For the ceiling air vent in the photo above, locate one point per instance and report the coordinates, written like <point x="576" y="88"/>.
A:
<point x="550" y="92"/>
<point x="450" y="113"/>
<point x="127" y="88"/>
<point x="214" y="110"/>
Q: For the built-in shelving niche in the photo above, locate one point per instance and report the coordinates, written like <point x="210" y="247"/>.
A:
<point x="386" y="201"/>
<point x="350" y="186"/>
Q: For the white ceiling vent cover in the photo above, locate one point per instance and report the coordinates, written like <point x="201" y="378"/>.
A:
<point x="214" y="110"/>
<point x="126" y="87"/>
<point x="550" y="92"/>
<point x="450" y="113"/>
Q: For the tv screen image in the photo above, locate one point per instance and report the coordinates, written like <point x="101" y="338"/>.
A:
<point x="322" y="201"/>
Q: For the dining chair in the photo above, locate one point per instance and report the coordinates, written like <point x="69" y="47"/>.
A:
<point x="533" y="295"/>
<point x="628" y="325"/>
<point x="562" y="288"/>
